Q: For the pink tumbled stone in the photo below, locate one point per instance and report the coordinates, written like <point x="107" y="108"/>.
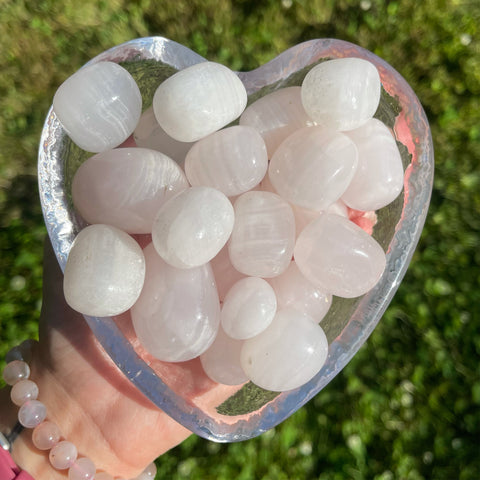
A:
<point x="263" y="237"/>
<point x="82" y="469"/>
<point x="125" y="187"/>
<point x="313" y="167"/>
<point x="15" y="371"/>
<point x="248" y="308"/>
<point x="192" y="227"/>
<point x="23" y="391"/>
<point x="221" y="362"/>
<point x="46" y="435"/>
<point x="339" y="257"/>
<point x="293" y="290"/>
<point x="32" y="413"/>
<point x="378" y="179"/>
<point x="232" y="160"/>
<point x="63" y="455"/>
<point x="289" y="353"/>
<point x="177" y="315"/>
<point x="276" y="116"/>
<point x="149" y="134"/>
<point x="342" y="93"/>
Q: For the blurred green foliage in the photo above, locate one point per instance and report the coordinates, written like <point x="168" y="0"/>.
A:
<point x="408" y="404"/>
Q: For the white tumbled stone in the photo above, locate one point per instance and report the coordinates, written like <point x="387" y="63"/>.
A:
<point x="99" y="106"/>
<point x="198" y="101"/>
<point x="339" y="257"/>
<point x="232" y="160"/>
<point x="221" y="362"/>
<point x="288" y="354"/>
<point x="378" y="179"/>
<point x="177" y="315"/>
<point x="313" y="167"/>
<point x="262" y="240"/>
<point x="248" y="308"/>
<point x="342" y="93"/>
<point x="104" y="272"/>
<point x="293" y="290"/>
<point x="149" y="134"/>
<point x="192" y="227"/>
<point x="276" y="116"/>
<point x="125" y="187"/>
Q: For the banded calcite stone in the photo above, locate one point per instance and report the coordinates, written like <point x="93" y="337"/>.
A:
<point x="198" y="101"/>
<point x="232" y="160"/>
<point x="378" y="179"/>
<point x="248" y="308"/>
<point x="342" y="93"/>
<point x="263" y="237"/>
<point x="276" y="116"/>
<point x="339" y="257"/>
<point x="192" y="227"/>
<point x="289" y="353"/>
<point x="99" y="106"/>
<point x="313" y="167"/>
<point x="293" y="290"/>
<point x="177" y="316"/>
<point x="104" y="272"/>
<point x="125" y="187"/>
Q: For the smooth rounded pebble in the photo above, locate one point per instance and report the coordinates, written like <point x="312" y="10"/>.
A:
<point x="276" y="116"/>
<point x="125" y="187"/>
<point x="104" y="273"/>
<point x="221" y="362"/>
<point x="378" y="179"/>
<point x="288" y="354"/>
<point x="313" y="167"/>
<point x="293" y="290"/>
<point x="342" y="93"/>
<point x="192" y="227"/>
<point x="339" y="257"/>
<point x="198" y="101"/>
<point x="149" y="134"/>
<point x="248" y="308"/>
<point x="232" y="160"/>
<point x="99" y="106"/>
<point x="177" y="315"/>
<point x="262" y="240"/>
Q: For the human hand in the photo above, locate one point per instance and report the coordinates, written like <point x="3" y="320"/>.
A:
<point x="87" y="396"/>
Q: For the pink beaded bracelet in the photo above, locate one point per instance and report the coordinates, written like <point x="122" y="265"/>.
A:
<point x="46" y="435"/>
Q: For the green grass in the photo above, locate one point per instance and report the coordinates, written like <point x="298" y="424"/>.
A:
<point x="408" y="405"/>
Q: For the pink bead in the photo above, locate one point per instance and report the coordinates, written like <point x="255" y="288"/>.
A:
<point x="32" y="413"/>
<point x="46" y="435"/>
<point x="23" y="391"/>
<point x="63" y="455"/>
<point x="15" y="371"/>
<point x="82" y="469"/>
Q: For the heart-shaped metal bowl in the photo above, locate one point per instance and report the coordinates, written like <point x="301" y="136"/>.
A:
<point x="216" y="412"/>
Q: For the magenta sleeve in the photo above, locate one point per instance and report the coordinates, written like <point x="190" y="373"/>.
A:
<point x="8" y="469"/>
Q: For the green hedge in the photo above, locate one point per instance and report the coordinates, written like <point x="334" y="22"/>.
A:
<point x="407" y="406"/>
